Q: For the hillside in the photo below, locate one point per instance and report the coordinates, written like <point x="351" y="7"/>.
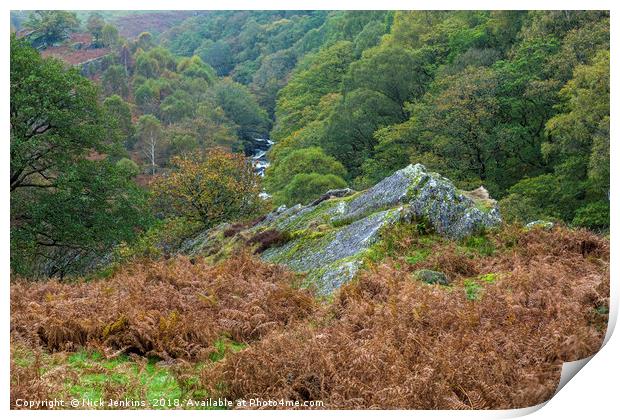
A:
<point x="405" y="344"/>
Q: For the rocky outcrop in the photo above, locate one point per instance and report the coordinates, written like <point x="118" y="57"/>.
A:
<point x="329" y="238"/>
<point x="539" y="224"/>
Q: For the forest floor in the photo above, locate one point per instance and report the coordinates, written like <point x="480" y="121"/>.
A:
<point x="171" y="333"/>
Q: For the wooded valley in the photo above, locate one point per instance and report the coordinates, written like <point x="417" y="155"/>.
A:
<point x="181" y="174"/>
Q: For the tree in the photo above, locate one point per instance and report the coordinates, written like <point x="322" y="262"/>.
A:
<point x="194" y="67"/>
<point x="147" y="66"/>
<point x="50" y="26"/>
<point x="579" y="138"/>
<point x="95" y="25"/>
<point x="145" y="41"/>
<point x="458" y="125"/>
<point x="240" y="106"/>
<point x="270" y="77"/>
<point x="349" y="136"/>
<point x="312" y="160"/>
<point x="182" y="139"/>
<point x="312" y="134"/>
<point x="119" y="114"/>
<point x="306" y="187"/>
<point x="54" y="117"/>
<point x="128" y="167"/>
<point x="69" y="203"/>
<point x="211" y="188"/>
<point x="115" y="81"/>
<point x="150" y="137"/>
<point x="571" y="123"/>
<point x="125" y="58"/>
<point x="322" y="73"/>
<point x="149" y="92"/>
<point x="397" y="73"/>
<point x="109" y="36"/>
<point x="176" y="107"/>
<point x="369" y="36"/>
<point x="218" y="55"/>
<point x="213" y="128"/>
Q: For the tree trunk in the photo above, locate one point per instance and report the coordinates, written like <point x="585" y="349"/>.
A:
<point x="152" y="155"/>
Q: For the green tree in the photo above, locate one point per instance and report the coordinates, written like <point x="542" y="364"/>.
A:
<point x="182" y="139"/>
<point x="241" y="107"/>
<point x="369" y="36"/>
<point x="147" y="66"/>
<point x="53" y="113"/>
<point x="125" y="58"/>
<point x="69" y="203"/>
<point x="458" y="126"/>
<point x="196" y="68"/>
<point x="579" y="136"/>
<point x="312" y="160"/>
<point x="149" y="92"/>
<point x="145" y="41"/>
<point x="320" y="74"/>
<point x="306" y="187"/>
<point x="213" y="128"/>
<point x="128" y="167"/>
<point x="218" y="55"/>
<point x="577" y="147"/>
<point x="177" y="106"/>
<point x="350" y="133"/>
<point x="118" y="113"/>
<point x="115" y="81"/>
<point x="47" y="27"/>
<point x="95" y="25"/>
<point x="109" y="36"/>
<point x="399" y="74"/>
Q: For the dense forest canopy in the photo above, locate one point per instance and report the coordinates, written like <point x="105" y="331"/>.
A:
<point x="500" y="99"/>
<point x="516" y="101"/>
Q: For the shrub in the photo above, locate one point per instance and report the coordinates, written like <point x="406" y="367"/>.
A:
<point x="303" y="175"/>
<point x="164" y="237"/>
<point x="173" y="308"/>
<point x="268" y="238"/>
<point x="383" y="341"/>
<point x="305" y="188"/>
<point x="128" y="167"/>
<point x="593" y="216"/>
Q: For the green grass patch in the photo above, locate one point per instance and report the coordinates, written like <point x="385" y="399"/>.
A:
<point x="477" y="245"/>
<point x="89" y="376"/>
<point x="475" y="287"/>
<point x="396" y="241"/>
<point x="417" y="256"/>
<point x="472" y="289"/>
<point x="489" y="277"/>
<point x="224" y="346"/>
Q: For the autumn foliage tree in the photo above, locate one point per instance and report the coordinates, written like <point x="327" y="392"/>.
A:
<point x="211" y="188"/>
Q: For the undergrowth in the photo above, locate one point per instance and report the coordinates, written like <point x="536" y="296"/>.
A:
<point x="519" y="304"/>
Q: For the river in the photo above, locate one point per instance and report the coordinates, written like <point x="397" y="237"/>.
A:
<point x="260" y="147"/>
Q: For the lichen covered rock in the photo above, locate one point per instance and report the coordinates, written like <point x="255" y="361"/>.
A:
<point x="432" y="277"/>
<point x="540" y="224"/>
<point x="330" y="237"/>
